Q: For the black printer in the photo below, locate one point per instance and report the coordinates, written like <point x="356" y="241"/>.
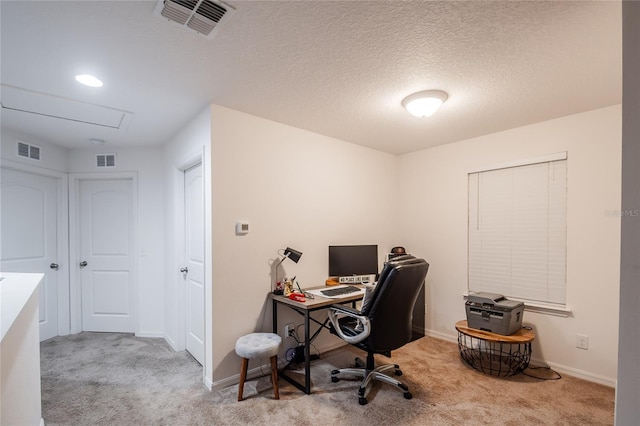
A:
<point x="494" y="313"/>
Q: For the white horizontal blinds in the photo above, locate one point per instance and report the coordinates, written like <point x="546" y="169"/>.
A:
<point x="517" y="231"/>
<point x="557" y="247"/>
<point x="491" y="234"/>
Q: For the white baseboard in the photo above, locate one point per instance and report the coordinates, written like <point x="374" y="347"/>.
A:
<point x="337" y="344"/>
<point x="562" y="369"/>
<point x="209" y="384"/>
<point x="442" y="336"/>
<point x="452" y="338"/>
<point x="263" y="369"/>
<point x="170" y="341"/>
<point x="235" y="379"/>
<point x="151" y="334"/>
<point x="575" y="372"/>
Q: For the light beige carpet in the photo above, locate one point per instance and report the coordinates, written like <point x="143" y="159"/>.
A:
<point x="117" y="379"/>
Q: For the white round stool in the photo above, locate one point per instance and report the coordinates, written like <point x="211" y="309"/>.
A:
<point x="258" y="345"/>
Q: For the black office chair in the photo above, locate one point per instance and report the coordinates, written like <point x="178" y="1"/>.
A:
<point x="384" y="324"/>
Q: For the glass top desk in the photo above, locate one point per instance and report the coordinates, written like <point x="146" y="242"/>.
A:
<point x="305" y="309"/>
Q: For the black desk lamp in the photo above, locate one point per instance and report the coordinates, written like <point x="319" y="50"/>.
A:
<point x="289" y="253"/>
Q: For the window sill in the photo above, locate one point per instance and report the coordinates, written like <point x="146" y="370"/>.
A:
<point x="542" y="308"/>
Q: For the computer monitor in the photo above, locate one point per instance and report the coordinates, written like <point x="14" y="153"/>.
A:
<point x="353" y="260"/>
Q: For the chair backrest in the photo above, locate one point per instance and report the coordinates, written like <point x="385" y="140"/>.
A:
<point x="387" y="268"/>
<point x="391" y="309"/>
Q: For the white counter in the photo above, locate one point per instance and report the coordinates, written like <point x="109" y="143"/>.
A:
<point x="15" y="291"/>
<point x="20" y="350"/>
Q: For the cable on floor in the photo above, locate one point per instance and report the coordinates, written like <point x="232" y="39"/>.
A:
<point x="546" y="367"/>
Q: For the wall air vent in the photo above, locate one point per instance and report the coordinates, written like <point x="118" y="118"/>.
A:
<point x="202" y="16"/>
<point x="28" y="151"/>
<point x="105" y="160"/>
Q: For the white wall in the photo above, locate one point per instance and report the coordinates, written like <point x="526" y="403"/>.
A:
<point x="297" y="189"/>
<point x="435" y="227"/>
<point x="148" y="164"/>
<point x="192" y="144"/>
<point x="52" y="156"/>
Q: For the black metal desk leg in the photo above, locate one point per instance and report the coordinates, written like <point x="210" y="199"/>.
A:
<point x="307" y="353"/>
<point x="275" y="316"/>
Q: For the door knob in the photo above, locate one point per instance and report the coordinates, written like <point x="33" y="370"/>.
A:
<point x="83" y="263"/>
<point x="54" y="266"/>
<point x="184" y="270"/>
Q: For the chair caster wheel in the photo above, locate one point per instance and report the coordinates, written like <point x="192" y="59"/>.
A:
<point x="335" y="379"/>
<point x="398" y="373"/>
<point x="362" y="401"/>
<point x="407" y="395"/>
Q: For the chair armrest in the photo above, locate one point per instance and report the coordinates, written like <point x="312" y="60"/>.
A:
<point x="338" y="311"/>
<point x="352" y="312"/>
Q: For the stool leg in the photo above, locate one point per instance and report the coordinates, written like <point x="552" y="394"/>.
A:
<point x="274" y="376"/>
<point x="243" y="377"/>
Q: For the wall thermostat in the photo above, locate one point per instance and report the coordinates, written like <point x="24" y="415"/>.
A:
<point x="242" y="228"/>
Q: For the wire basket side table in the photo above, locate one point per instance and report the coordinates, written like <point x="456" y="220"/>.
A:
<point x="492" y="353"/>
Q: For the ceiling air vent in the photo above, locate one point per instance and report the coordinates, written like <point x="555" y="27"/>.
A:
<point x="28" y="151"/>
<point x="105" y="160"/>
<point x="202" y="16"/>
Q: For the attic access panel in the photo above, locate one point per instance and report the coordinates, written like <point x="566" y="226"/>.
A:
<point x="25" y="101"/>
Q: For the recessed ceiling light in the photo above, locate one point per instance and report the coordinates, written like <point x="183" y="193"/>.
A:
<point x="88" y="80"/>
<point x="95" y="141"/>
<point x="424" y="104"/>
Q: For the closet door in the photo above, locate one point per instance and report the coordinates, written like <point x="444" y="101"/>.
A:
<point x="106" y="256"/>
<point x="29" y="210"/>
<point x="194" y="255"/>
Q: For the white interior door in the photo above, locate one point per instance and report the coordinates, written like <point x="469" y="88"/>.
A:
<point x="106" y="263"/>
<point x="194" y="255"/>
<point x="29" y="209"/>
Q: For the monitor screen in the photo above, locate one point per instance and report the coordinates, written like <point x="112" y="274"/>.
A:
<point x="353" y="260"/>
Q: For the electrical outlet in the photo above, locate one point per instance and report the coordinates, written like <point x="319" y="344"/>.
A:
<point x="582" y="341"/>
<point x="289" y="330"/>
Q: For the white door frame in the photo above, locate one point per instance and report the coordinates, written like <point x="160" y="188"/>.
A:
<point x="62" y="244"/>
<point x="178" y="259"/>
<point x="75" y="290"/>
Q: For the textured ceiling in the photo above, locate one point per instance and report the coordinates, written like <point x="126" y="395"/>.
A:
<point x="336" y="68"/>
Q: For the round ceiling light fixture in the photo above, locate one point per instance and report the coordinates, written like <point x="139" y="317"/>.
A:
<point x="88" y="80"/>
<point x="95" y="141"/>
<point x="424" y="104"/>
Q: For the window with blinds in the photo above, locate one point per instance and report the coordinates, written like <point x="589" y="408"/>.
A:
<point x="518" y="230"/>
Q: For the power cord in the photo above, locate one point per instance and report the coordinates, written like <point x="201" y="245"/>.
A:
<point x="546" y="367"/>
<point x="294" y="334"/>
<point x="316" y="349"/>
<point x="296" y="353"/>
